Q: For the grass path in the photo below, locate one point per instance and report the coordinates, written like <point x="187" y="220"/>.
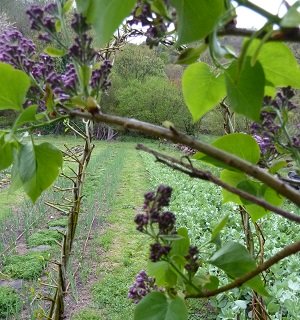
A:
<point x="115" y="186"/>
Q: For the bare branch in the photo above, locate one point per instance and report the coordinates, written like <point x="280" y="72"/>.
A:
<point x="206" y="175"/>
<point x="285" y="252"/>
<point x="179" y="137"/>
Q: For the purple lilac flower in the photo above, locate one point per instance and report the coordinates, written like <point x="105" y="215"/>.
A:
<point x="100" y="76"/>
<point x="142" y="286"/>
<point x="157" y="24"/>
<point x="82" y="49"/>
<point x="16" y="50"/>
<point x="192" y="265"/>
<point x="157" y="251"/>
<point x="43" y="18"/>
<point x="153" y="205"/>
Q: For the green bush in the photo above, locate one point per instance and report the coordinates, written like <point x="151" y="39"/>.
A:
<point x="44" y="237"/>
<point x="10" y="302"/>
<point x="28" y="266"/>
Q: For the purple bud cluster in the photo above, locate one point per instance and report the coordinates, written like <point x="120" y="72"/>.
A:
<point x="192" y="265"/>
<point x="157" y="251"/>
<point x="142" y="286"/>
<point x="157" y="219"/>
<point x="268" y="131"/>
<point x="157" y="24"/>
<point x="100" y="76"/>
<point x="82" y="50"/>
<point x="43" y="19"/>
<point x="16" y="50"/>
<point x="153" y="206"/>
<point x="79" y="24"/>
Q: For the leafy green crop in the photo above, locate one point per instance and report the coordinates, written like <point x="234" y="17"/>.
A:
<point x="28" y="266"/>
<point x="10" y="302"/>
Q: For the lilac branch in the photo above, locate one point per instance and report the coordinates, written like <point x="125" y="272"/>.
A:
<point x="206" y="175"/>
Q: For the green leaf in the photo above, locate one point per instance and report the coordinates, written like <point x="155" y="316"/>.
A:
<point x="170" y="237"/>
<point x="232" y="178"/>
<point x="6" y="153"/>
<point x="280" y="69"/>
<point x="38" y="167"/>
<point x="163" y="273"/>
<point x="218" y="228"/>
<point x="235" y="260"/>
<point x="191" y="55"/>
<point x="14" y="85"/>
<point x="181" y="247"/>
<point x="245" y="88"/>
<point x="156" y="306"/>
<point x="276" y="166"/>
<point x="68" y="6"/>
<point x="159" y="7"/>
<point x="292" y="18"/>
<point x="27" y="115"/>
<point x="196" y="18"/>
<point x="250" y="187"/>
<point x="57" y="25"/>
<point x="202" y="90"/>
<point x="239" y="144"/>
<point x="105" y="16"/>
<point x="54" y="52"/>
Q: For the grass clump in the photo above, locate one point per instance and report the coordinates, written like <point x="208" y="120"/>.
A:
<point x="87" y="314"/>
<point x="10" y="302"/>
<point x="28" y="266"/>
<point x="105" y="240"/>
<point x="44" y="237"/>
<point x="61" y="222"/>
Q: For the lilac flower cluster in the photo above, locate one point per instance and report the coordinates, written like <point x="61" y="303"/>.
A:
<point x="153" y="205"/>
<point x="269" y="132"/>
<point x="100" y="76"/>
<point x="142" y="286"/>
<point x="155" y="216"/>
<point x="16" y="50"/>
<point x="192" y="264"/>
<point x="157" y="24"/>
<point x="82" y="50"/>
<point x="43" y="19"/>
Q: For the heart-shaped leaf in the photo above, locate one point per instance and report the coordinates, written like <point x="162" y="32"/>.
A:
<point x="202" y="89"/>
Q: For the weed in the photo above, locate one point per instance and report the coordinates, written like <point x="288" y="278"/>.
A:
<point x="28" y="266"/>
<point x="49" y="237"/>
<point x="10" y="302"/>
<point x="87" y="314"/>
<point x="105" y="240"/>
<point x="61" y="222"/>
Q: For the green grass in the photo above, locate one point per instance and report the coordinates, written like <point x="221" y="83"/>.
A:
<point x="61" y="222"/>
<point x="127" y="248"/>
<point x="44" y="237"/>
<point x="10" y="302"/>
<point x="87" y="314"/>
<point x="105" y="240"/>
<point x="28" y="266"/>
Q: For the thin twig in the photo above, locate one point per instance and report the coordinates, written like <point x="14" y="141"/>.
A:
<point x="285" y="252"/>
<point x="179" y="137"/>
<point x="205" y="175"/>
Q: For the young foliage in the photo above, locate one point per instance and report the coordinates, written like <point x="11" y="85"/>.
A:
<point x="14" y="85"/>
<point x="37" y="167"/>
<point x="105" y="16"/>
<point x="196" y="18"/>
<point x="156" y="306"/>
<point x="236" y="261"/>
<point x="202" y="89"/>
